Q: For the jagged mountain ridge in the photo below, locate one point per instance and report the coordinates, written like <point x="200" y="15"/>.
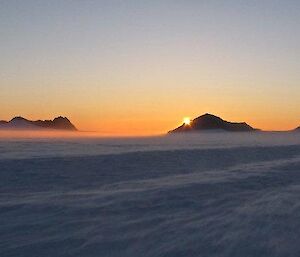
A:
<point x="212" y="122"/>
<point x="19" y="123"/>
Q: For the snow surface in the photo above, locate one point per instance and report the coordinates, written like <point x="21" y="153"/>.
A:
<point x="214" y="194"/>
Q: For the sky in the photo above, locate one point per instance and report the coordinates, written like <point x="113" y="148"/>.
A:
<point x="140" y="67"/>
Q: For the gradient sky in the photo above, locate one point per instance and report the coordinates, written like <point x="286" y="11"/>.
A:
<point x="139" y="67"/>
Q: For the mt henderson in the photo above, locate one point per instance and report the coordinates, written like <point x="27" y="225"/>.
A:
<point x="20" y="123"/>
<point x="212" y="122"/>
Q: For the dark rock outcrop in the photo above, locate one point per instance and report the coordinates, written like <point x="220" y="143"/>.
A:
<point x="19" y="123"/>
<point x="62" y="123"/>
<point x="212" y="122"/>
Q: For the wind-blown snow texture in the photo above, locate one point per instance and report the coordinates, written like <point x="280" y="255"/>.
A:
<point x="214" y="194"/>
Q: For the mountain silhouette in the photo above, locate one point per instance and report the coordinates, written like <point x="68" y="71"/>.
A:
<point x="212" y="122"/>
<point x="20" y="123"/>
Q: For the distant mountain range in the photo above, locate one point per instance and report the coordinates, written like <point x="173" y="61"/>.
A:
<point x="204" y="122"/>
<point x="20" y="123"/>
<point x="212" y="122"/>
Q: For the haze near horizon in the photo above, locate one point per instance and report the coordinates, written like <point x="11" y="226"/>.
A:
<point x="131" y="67"/>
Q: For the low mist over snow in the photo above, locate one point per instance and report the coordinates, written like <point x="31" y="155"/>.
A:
<point x="210" y="194"/>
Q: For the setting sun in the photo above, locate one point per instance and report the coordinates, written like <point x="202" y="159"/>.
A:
<point x="186" y="121"/>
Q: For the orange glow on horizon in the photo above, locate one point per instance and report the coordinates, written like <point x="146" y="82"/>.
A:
<point x="160" y="121"/>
